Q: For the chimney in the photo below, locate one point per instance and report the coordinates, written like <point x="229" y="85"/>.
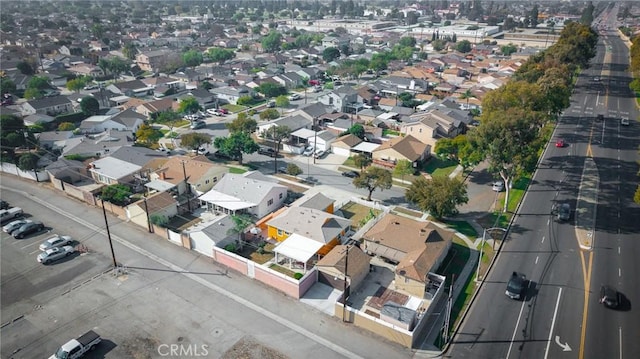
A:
<point x="163" y="175"/>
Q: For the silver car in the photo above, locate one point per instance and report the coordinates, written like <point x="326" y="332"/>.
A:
<point x="56" y="241"/>
<point x="54" y="254"/>
<point x="12" y="226"/>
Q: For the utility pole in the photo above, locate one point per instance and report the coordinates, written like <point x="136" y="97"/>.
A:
<point x="484" y="232"/>
<point x="146" y="210"/>
<point x="186" y="184"/>
<point x="344" y="290"/>
<point x="113" y="254"/>
<point x="315" y="140"/>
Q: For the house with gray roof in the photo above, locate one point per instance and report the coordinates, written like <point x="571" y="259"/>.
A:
<point x="213" y="231"/>
<point x="54" y="139"/>
<point x="110" y="170"/>
<point x="230" y="94"/>
<point x="137" y="155"/>
<point x="342" y="99"/>
<point x="134" y="88"/>
<point x="238" y="193"/>
<point x="127" y="120"/>
<point x="99" y="144"/>
<point x="294" y="123"/>
<point x="54" y="105"/>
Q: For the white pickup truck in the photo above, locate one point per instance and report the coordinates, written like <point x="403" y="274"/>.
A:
<point x="76" y="348"/>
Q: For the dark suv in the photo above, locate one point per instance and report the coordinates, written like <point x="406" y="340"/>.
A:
<point x="267" y="151"/>
<point x="516" y="286"/>
<point x="609" y="297"/>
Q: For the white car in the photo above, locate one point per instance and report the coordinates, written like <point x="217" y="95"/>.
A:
<point x="309" y="151"/>
<point x="294" y="97"/>
<point x="54" y="254"/>
<point x="497" y="186"/>
<point x="319" y="154"/>
<point x="56" y="241"/>
<point x="212" y="111"/>
<point x="12" y="226"/>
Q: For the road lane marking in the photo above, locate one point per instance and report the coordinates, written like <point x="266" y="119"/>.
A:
<point x="553" y="323"/>
<point x="620" y="340"/>
<point x="537" y="259"/>
<point x="586" y="272"/>
<point x="515" y="330"/>
<point x="619" y="272"/>
<point x="542" y="239"/>
<point x="184" y="272"/>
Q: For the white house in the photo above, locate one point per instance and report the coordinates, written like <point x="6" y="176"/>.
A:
<point x="213" y="231"/>
<point x="241" y="193"/>
<point x="127" y="120"/>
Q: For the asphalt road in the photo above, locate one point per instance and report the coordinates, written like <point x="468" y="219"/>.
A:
<point x="560" y="316"/>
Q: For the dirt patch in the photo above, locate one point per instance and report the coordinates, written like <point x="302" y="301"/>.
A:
<point x="249" y="348"/>
<point x="140" y="348"/>
<point x="358" y="214"/>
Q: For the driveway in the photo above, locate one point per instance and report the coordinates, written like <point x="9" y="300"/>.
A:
<point x="482" y="199"/>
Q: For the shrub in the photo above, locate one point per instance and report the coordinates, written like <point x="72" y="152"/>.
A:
<point x="298" y="275"/>
<point x="159" y="220"/>
<point x="230" y="248"/>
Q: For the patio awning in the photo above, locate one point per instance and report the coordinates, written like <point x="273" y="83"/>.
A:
<point x="365" y="147"/>
<point x="160" y="185"/>
<point x="298" y="247"/>
<point x="303" y="133"/>
<point x="225" y="201"/>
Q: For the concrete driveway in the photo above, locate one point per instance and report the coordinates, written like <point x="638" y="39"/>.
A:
<point x="482" y="199"/>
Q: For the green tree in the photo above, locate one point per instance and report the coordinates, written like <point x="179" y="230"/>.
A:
<point x="75" y="85"/>
<point x="148" y="135"/>
<point x="194" y="140"/>
<point x="118" y="65"/>
<point x="220" y="55"/>
<point x="282" y="101"/>
<point x="403" y="168"/>
<point x="129" y="50"/>
<point x="439" y="196"/>
<point x="7" y="85"/>
<point x="330" y="53"/>
<point x="25" y="68"/>
<point x="362" y="161"/>
<point x="534" y="16"/>
<point x="357" y="130"/>
<point x="463" y="46"/>
<point x="270" y="89"/>
<point x="236" y="144"/>
<point x="277" y="134"/>
<point x="66" y="126"/>
<point x="272" y="42"/>
<point x="189" y="105"/>
<point x="33" y="93"/>
<point x="192" y="58"/>
<point x="293" y="170"/>
<point x="28" y="162"/>
<point x="466" y="96"/>
<point x="89" y="106"/>
<point x="117" y="194"/>
<point x="269" y="114"/>
<point x="508" y="49"/>
<point x="373" y="178"/>
<point x="245" y="101"/>
<point x="438" y="44"/>
<point x="242" y="124"/>
<point x="39" y="83"/>
<point x="407" y="41"/>
<point x="240" y="223"/>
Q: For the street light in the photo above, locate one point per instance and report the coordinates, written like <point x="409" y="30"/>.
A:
<point x="344" y="290"/>
<point x="113" y="254"/>
<point x="484" y="232"/>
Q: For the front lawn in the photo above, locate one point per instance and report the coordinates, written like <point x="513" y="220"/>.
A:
<point x="236" y="170"/>
<point x="234" y="108"/>
<point x="437" y="167"/>
<point x="463" y="227"/>
<point x="516" y="193"/>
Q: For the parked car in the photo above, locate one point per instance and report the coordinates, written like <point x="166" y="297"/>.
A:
<point x="497" y="186"/>
<point x="4" y="204"/>
<point x="308" y="151"/>
<point x="56" y="241"/>
<point x="319" y="154"/>
<point x="212" y="111"/>
<point x="294" y="97"/>
<point x="516" y="286"/>
<point x="12" y="226"/>
<point x="202" y="151"/>
<point x="76" y="348"/>
<point x="53" y="254"/>
<point x="560" y="143"/>
<point x="350" y="174"/>
<point x="10" y="214"/>
<point x="27" y="229"/>
<point x="624" y="121"/>
<point x="267" y="151"/>
<point x="271" y="104"/>
<point x="609" y="297"/>
<point x="223" y="111"/>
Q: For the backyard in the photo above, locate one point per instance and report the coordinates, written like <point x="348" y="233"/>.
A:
<point x="358" y="214"/>
<point x="251" y="251"/>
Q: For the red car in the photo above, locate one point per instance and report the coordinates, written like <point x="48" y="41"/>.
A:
<point x="560" y="143"/>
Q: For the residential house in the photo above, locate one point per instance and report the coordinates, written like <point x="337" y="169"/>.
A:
<point x="213" y="231"/>
<point x="86" y="70"/>
<point x="109" y="171"/>
<point x="431" y="126"/>
<point x="315" y="201"/>
<point x="53" y="106"/>
<point x="401" y="148"/>
<point x="38" y="118"/>
<point x="342" y="262"/>
<point x="294" y="123"/>
<point x="134" y="88"/>
<point x="160" y="204"/>
<point x="342" y="99"/>
<point x="416" y="246"/>
<point x="54" y="140"/>
<point x="154" y="108"/>
<point x="67" y="171"/>
<point x="205" y="98"/>
<point x="342" y="145"/>
<point x="127" y="120"/>
<point x="239" y="193"/>
<point x="154" y="61"/>
<point x="289" y="80"/>
<point x="230" y="94"/>
<point x="97" y="145"/>
<point x="323" y="229"/>
<point x="333" y="41"/>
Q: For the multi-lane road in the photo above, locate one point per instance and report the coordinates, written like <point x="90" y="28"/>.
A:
<point x="561" y="316"/>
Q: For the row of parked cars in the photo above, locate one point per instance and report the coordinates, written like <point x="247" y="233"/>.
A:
<point x="53" y="248"/>
<point x="315" y="152"/>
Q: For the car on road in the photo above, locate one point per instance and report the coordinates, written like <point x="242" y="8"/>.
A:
<point x="563" y="212"/>
<point x="497" y="186"/>
<point x="56" y="241"/>
<point x="309" y="180"/>
<point x="27" y="229"/>
<point x="560" y="143"/>
<point x="12" y="226"/>
<point x="516" y="286"/>
<point x="609" y="297"/>
<point x="197" y="124"/>
<point x="317" y="88"/>
<point x="308" y="151"/>
<point x="267" y="151"/>
<point x="294" y="97"/>
<point x="350" y="174"/>
<point x="624" y="121"/>
<point x="54" y="254"/>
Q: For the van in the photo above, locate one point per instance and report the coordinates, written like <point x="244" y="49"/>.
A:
<point x="10" y="214"/>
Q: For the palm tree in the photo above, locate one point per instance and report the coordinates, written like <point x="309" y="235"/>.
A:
<point x="241" y="222"/>
<point x="467" y="95"/>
